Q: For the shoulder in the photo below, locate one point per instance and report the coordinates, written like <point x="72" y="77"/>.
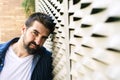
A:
<point x="3" y="46"/>
<point x="45" y="51"/>
<point x="45" y="55"/>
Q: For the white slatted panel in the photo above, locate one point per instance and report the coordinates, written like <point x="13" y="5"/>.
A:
<point x="87" y="35"/>
<point x="58" y="46"/>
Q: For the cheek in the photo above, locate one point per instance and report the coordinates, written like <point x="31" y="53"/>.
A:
<point x="29" y="37"/>
<point x="42" y="42"/>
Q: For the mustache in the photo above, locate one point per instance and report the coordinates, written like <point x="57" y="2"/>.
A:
<point x="34" y="44"/>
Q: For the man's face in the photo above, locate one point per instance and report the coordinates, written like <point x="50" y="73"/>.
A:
<point x="34" y="37"/>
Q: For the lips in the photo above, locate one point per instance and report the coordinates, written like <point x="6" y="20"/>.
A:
<point x="32" y="45"/>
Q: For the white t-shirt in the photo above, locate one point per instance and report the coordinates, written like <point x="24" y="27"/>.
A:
<point x="16" y="68"/>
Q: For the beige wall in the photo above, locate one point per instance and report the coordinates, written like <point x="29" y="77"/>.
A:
<point x="86" y="43"/>
<point x="12" y="17"/>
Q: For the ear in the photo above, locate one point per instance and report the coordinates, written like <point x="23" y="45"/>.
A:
<point x="23" y="29"/>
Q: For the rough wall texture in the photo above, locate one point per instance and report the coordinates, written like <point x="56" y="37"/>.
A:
<point x="12" y="17"/>
<point x="86" y="41"/>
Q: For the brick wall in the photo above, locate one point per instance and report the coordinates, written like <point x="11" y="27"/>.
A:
<point x="12" y="17"/>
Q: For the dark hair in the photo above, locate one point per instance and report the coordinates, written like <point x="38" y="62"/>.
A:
<point x="43" y="18"/>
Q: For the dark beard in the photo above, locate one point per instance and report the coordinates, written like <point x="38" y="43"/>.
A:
<point x="31" y="51"/>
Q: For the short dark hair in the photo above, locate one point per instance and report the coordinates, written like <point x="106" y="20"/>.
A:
<point x="43" y="18"/>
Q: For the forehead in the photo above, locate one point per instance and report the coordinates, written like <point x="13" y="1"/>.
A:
<point x="39" y="27"/>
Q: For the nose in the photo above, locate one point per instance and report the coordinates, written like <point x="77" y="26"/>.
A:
<point x="38" y="40"/>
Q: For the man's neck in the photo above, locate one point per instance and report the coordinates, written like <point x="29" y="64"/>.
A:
<point x="19" y="50"/>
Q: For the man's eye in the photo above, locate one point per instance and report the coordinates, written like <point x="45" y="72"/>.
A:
<point x="35" y="33"/>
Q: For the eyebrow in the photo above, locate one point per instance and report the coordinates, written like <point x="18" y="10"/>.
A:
<point x="36" y="31"/>
<point x="39" y="33"/>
